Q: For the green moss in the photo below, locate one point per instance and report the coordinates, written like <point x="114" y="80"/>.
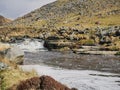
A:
<point x="118" y="53"/>
<point x="87" y="42"/>
<point x="2" y="83"/>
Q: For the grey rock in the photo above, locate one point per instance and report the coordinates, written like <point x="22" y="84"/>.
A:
<point x="15" y="54"/>
<point x="3" y="66"/>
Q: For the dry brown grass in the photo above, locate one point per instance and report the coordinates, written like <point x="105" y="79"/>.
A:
<point x="4" y="46"/>
<point x="89" y="22"/>
<point x="14" y="76"/>
<point x="10" y="63"/>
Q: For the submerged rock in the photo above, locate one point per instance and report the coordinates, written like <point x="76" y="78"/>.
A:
<point x="40" y="83"/>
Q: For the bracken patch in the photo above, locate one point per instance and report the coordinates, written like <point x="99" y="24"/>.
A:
<point x="40" y="83"/>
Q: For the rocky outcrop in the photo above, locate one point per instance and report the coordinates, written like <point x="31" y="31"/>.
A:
<point x="12" y="53"/>
<point x="17" y="39"/>
<point x="40" y="83"/>
<point x="15" y="54"/>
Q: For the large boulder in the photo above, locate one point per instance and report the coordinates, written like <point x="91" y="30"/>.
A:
<point x="15" y="54"/>
<point x="58" y="44"/>
<point x="40" y="83"/>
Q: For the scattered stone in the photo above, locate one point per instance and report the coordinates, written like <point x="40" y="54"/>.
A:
<point x="18" y="39"/>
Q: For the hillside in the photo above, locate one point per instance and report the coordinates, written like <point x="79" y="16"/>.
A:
<point x="64" y="9"/>
<point x="86" y="22"/>
<point x="3" y="20"/>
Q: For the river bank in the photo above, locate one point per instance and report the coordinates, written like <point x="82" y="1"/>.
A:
<point x="35" y="53"/>
<point x="73" y="70"/>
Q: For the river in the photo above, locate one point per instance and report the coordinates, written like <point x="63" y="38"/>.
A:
<point x="85" y="72"/>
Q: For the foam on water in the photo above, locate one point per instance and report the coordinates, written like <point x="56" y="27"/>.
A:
<point x="31" y="45"/>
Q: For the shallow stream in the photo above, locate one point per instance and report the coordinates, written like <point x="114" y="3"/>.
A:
<point x="85" y="72"/>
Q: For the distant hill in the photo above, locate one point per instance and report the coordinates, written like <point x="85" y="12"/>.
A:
<point x="66" y="11"/>
<point x="87" y="22"/>
<point x="4" y="20"/>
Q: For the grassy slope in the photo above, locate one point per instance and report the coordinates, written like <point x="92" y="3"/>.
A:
<point x="13" y="75"/>
<point x="62" y="10"/>
<point x="66" y="13"/>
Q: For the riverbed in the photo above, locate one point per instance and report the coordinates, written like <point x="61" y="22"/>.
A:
<point x="85" y="72"/>
<point x="81" y="79"/>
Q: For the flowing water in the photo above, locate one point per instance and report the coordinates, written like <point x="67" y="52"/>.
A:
<point x="30" y="45"/>
<point x="85" y="72"/>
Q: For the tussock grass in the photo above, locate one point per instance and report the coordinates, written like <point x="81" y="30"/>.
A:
<point x="11" y="77"/>
<point x="115" y="46"/>
<point x="13" y="74"/>
<point x="4" y="46"/>
<point x="89" y="22"/>
<point x="9" y="63"/>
